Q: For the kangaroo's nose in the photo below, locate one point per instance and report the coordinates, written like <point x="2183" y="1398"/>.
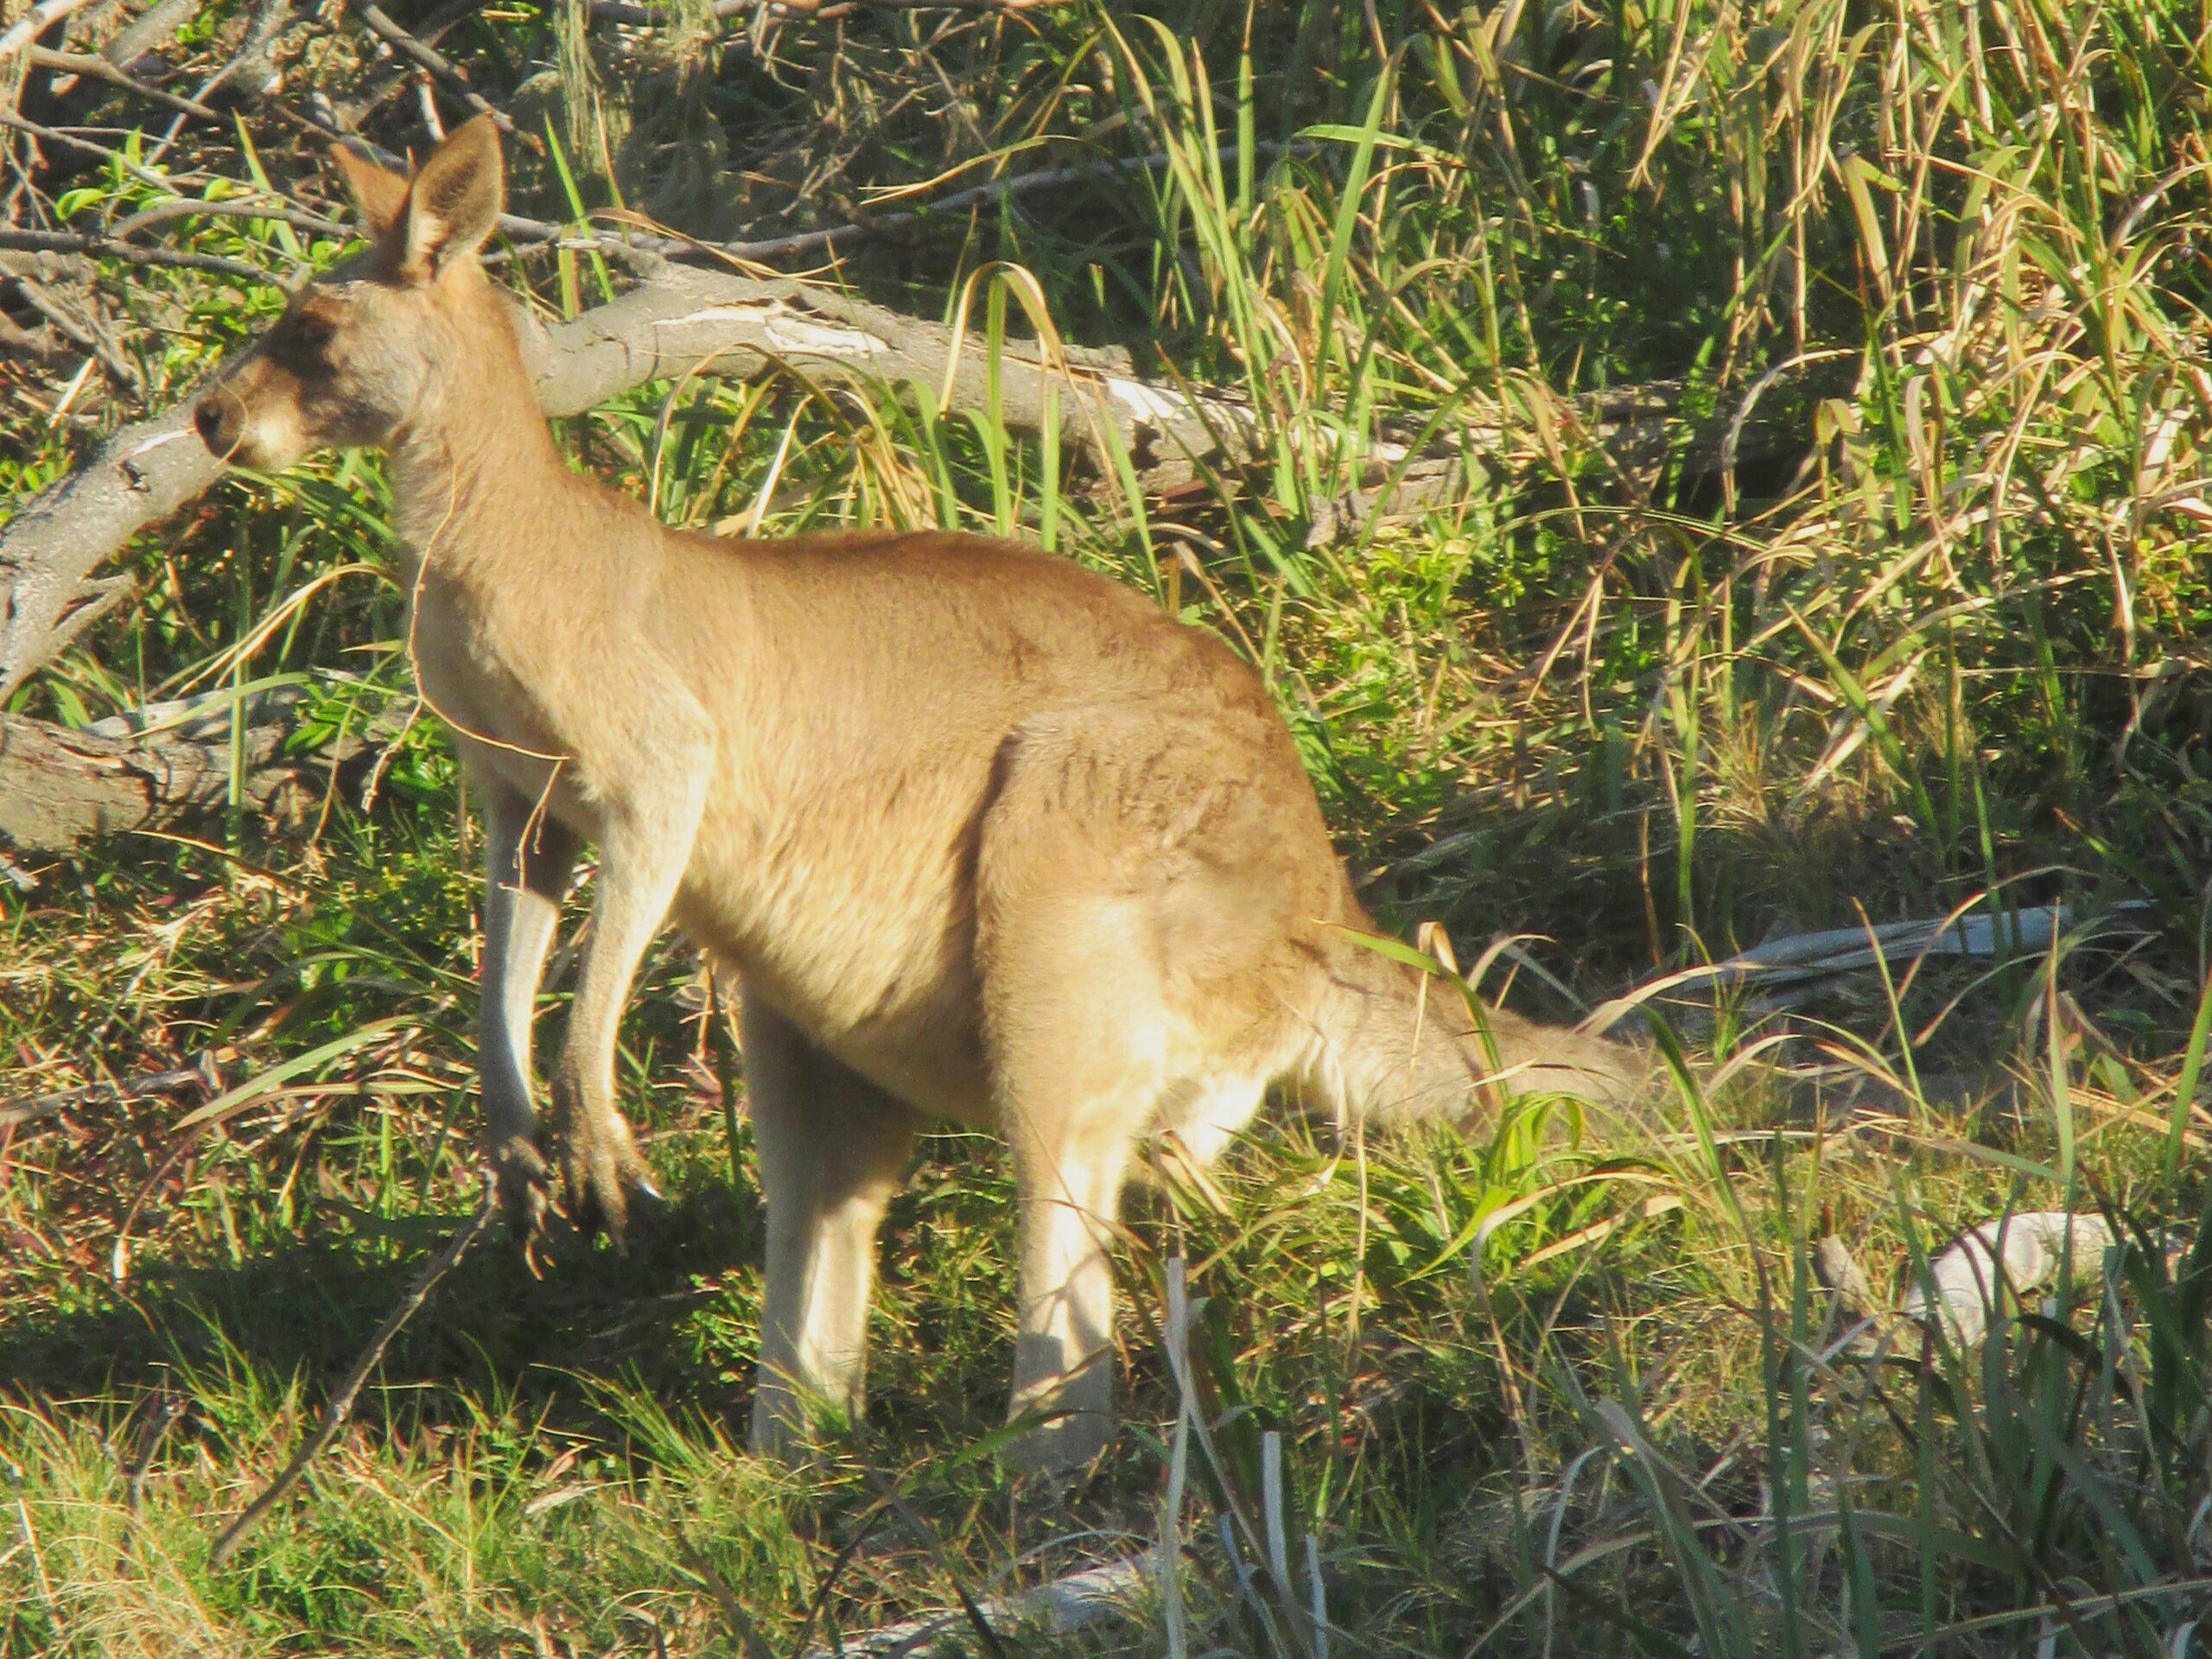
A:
<point x="217" y="429"/>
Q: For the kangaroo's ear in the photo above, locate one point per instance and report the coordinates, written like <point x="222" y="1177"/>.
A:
<point x="454" y="202"/>
<point x="379" y="196"/>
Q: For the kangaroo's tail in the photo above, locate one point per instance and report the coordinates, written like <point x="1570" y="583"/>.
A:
<point x="1394" y="1044"/>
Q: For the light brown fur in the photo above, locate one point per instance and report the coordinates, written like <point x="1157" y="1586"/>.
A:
<point x="987" y="836"/>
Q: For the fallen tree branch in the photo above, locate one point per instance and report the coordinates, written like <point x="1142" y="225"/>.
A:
<point x="340" y="1407"/>
<point x="106" y="247"/>
<point x="1073" y="1601"/>
<point x="2016" y="1254"/>
<point x="61" y="788"/>
<point x="1782" y="970"/>
<point x="100" y="68"/>
<point x="682" y="320"/>
<point x="205" y="1075"/>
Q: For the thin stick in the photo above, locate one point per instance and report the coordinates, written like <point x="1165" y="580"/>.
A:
<point x="341" y="1404"/>
<point x="203" y="1074"/>
<point x="105" y="247"/>
<point x="438" y="65"/>
<point x="35" y="22"/>
<point x="191" y="206"/>
<point x="88" y="63"/>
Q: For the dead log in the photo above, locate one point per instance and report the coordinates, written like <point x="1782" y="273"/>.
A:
<point x="61" y="788"/>
<point x="681" y="320"/>
<point x="678" y="320"/>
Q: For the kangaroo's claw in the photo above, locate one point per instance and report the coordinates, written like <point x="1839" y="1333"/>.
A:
<point x="525" y="1184"/>
<point x="602" y="1172"/>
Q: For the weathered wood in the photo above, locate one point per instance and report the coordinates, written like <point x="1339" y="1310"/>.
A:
<point x="680" y="319"/>
<point x="62" y="788"/>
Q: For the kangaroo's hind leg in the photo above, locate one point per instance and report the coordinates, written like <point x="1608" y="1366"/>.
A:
<point x="1130" y="931"/>
<point x="833" y="1146"/>
<point x="1072" y="1129"/>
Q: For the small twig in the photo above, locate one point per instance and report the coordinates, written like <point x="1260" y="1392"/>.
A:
<point x="84" y="331"/>
<point x="107" y="153"/>
<point x="203" y="1074"/>
<point x="340" y="1407"/>
<point x="431" y="59"/>
<point x="189" y="208"/>
<point x="45" y="344"/>
<point x="86" y="63"/>
<point x="106" y="247"/>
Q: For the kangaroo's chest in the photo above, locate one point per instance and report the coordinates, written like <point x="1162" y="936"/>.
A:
<point x="514" y="722"/>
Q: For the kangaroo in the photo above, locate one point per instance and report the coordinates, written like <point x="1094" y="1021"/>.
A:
<point x="986" y="836"/>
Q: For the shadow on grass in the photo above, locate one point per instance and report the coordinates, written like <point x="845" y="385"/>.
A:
<point x="308" y="1307"/>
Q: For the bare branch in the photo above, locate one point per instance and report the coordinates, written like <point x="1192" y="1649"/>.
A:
<point x="431" y="59"/>
<point x="190" y="206"/>
<point x="61" y="788"/>
<point x="207" y="1076"/>
<point x="84" y="331"/>
<point x="678" y="320"/>
<point x="35" y="22"/>
<point x="100" y="68"/>
<point x="106" y="247"/>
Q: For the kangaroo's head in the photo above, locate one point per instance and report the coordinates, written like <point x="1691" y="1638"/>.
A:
<point x="363" y="351"/>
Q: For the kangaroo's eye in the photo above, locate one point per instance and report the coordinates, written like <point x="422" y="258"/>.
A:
<point x="303" y="338"/>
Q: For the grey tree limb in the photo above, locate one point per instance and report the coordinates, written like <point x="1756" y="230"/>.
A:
<point x="681" y="320"/>
<point x="677" y="321"/>
<point x="61" y="788"/>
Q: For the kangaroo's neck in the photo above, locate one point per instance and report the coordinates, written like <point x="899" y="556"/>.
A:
<point x="476" y="479"/>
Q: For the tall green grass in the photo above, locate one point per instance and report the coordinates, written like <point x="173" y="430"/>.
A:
<point x="1897" y="608"/>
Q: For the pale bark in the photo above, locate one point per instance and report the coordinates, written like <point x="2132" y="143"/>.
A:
<point x="60" y="789"/>
<point x="680" y="319"/>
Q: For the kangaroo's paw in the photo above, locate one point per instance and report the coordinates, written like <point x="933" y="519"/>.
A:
<point x="525" y="1183"/>
<point x="603" y="1173"/>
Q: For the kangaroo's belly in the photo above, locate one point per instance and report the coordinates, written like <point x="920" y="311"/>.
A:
<point x="855" y="917"/>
